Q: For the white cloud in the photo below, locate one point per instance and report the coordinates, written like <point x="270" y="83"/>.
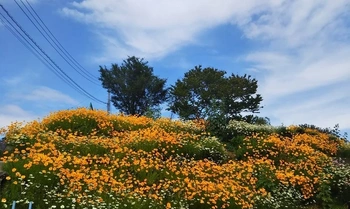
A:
<point x="23" y="106"/>
<point x="13" y="80"/>
<point x="270" y="61"/>
<point x="304" y="69"/>
<point x="21" y="78"/>
<point x="30" y="1"/>
<point x="11" y="113"/>
<point x="287" y="74"/>
<point x="298" y="23"/>
<point x="321" y="110"/>
<point x="156" y="28"/>
<point x="47" y="95"/>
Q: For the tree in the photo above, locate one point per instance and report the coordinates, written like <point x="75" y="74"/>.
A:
<point x="196" y="95"/>
<point x="240" y="96"/>
<point x="134" y="88"/>
<point x="204" y="93"/>
<point x="253" y="119"/>
<point x="154" y="113"/>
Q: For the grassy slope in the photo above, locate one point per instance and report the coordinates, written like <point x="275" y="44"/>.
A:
<point x="83" y="157"/>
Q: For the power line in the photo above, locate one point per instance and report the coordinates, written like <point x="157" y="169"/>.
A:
<point x="31" y="48"/>
<point x="35" y="51"/>
<point x="61" y="46"/>
<point x="62" y="74"/>
<point x="57" y="48"/>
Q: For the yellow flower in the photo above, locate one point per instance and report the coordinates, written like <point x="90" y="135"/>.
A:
<point x="8" y="178"/>
<point x="3" y="200"/>
<point x="168" y="205"/>
<point x="15" y="182"/>
<point x="14" y="169"/>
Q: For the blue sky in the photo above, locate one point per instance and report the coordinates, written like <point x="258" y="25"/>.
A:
<point x="297" y="50"/>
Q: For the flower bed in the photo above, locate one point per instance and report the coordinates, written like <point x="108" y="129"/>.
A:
<point x="84" y="158"/>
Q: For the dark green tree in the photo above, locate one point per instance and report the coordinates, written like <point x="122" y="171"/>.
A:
<point x="134" y="87"/>
<point x="197" y="94"/>
<point x="253" y="119"/>
<point x="240" y="95"/>
<point x="207" y="93"/>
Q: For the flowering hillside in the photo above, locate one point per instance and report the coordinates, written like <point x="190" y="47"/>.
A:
<point x="87" y="159"/>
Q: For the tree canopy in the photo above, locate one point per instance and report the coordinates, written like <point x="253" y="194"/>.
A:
<point x="134" y="88"/>
<point x="206" y="92"/>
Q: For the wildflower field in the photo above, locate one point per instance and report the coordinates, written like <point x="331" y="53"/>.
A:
<point x="88" y="159"/>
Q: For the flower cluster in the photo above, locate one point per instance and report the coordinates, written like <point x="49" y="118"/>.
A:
<point x="88" y="159"/>
<point x="244" y="128"/>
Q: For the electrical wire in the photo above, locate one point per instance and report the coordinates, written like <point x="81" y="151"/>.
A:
<point x="61" y="46"/>
<point x="69" y="55"/>
<point x="52" y="43"/>
<point x="66" y="79"/>
<point x="31" y="48"/>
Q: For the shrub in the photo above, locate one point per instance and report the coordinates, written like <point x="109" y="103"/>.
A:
<point x="281" y="197"/>
<point x="344" y="151"/>
<point x="247" y="129"/>
<point x="210" y="148"/>
<point x="339" y="181"/>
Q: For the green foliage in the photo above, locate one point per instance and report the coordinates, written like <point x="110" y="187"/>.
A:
<point x="281" y="197"/>
<point x="266" y="177"/>
<point x="247" y="129"/>
<point x="324" y="195"/>
<point x="79" y="124"/>
<point x="179" y="126"/>
<point x="240" y="96"/>
<point x="154" y="112"/>
<point x="133" y="86"/>
<point x="206" y="148"/>
<point x="83" y="149"/>
<point x="344" y="151"/>
<point x="253" y="119"/>
<point x="212" y="149"/>
<point x="283" y="131"/>
<point x="340" y="182"/>
<point x="334" y="132"/>
<point x="144" y="145"/>
<point x="234" y="130"/>
<point x="216" y="125"/>
<point x="25" y="189"/>
<point x="121" y="126"/>
<point x="206" y="92"/>
<point x="197" y="94"/>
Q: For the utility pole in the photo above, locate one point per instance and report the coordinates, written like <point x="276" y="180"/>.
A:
<point x="109" y="102"/>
